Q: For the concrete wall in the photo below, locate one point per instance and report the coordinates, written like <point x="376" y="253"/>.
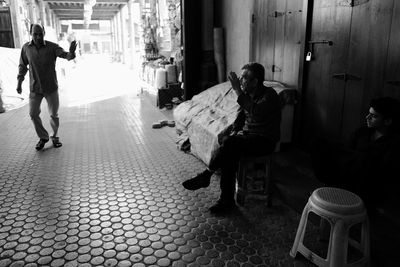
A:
<point x="235" y="17"/>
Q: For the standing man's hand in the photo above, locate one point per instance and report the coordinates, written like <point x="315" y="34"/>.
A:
<point x="72" y="47"/>
<point x="19" y="89"/>
<point x="235" y="82"/>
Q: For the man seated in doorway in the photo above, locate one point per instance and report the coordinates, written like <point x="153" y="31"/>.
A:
<point x="369" y="164"/>
<point x="255" y="133"/>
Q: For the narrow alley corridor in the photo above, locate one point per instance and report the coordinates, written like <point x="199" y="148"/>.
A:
<point x="112" y="194"/>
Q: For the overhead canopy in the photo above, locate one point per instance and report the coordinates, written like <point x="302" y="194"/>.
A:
<point x="74" y="9"/>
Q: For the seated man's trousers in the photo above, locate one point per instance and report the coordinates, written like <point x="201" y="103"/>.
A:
<point x="228" y="156"/>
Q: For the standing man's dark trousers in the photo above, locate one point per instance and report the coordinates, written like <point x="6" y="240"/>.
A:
<point x="228" y="156"/>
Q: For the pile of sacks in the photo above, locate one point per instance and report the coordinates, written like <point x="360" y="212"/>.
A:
<point x="203" y="121"/>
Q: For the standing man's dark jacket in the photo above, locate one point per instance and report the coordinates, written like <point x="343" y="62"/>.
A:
<point x="42" y="62"/>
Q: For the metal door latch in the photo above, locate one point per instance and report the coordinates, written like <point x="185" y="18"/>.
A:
<point x="276" y="68"/>
<point x="346" y="76"/>
<point x="330" y="43"/>
<point x="352" y="3"/>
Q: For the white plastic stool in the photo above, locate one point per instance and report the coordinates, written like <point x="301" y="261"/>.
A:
<point x="342" y="209"/>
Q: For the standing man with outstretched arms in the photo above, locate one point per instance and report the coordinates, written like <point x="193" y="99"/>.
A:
<point x="41" y="56"/>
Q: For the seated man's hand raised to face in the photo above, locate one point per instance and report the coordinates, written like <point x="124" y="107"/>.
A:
<point x="235" y="82"/>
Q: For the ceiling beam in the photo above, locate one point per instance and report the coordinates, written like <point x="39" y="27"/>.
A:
<point x="81" y="11"/>
<point x="101" y="18"/>
<point x="81" y="18"/>
<point x="120" y="2"/>
<point x="70" y="8"/>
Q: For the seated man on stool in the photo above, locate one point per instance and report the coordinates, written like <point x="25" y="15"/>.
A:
<point x="368" y="164"/>
<point x="255" y="133"/>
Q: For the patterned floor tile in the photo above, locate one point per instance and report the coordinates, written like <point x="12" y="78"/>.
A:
<point x="112" y="196"/>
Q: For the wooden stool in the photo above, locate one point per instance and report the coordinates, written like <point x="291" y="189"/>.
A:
<point x="241" y="175"/>
<point x="242" y="189"/>
<point x="342" y="209"/>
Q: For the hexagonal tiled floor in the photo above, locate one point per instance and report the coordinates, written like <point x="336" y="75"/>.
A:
<point x="112" y="196"/>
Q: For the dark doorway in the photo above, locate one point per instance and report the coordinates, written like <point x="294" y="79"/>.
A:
<point x="6" y="33"/>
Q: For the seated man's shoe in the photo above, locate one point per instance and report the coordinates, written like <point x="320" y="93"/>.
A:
<point x="199" y="181"/>
<point x="223" y="207"/>
<point x="40" y="144"/>
<point x="56" y="141"/>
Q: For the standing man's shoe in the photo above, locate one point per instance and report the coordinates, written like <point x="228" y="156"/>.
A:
<point x="40" y="144"/>
<point x="56" y="141"/>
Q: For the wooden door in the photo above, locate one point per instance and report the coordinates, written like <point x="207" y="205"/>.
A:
<point x="391" y="85"/>
<point x="275" y="39"/>
<point x="340" y="85"/>
<point x="263" y="35"/>
<point x="323" y="95"/>
<point x="291" y="44"/>
<point x="6" y="33"/>
<point x="368" y="49"/>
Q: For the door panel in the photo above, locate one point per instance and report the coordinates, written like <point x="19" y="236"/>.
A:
<point x="278" y="17"/>
<point x="380" y="20"/>
<point x="263" y="32"/>
<point x="391" y="86"/>
<point x="275" y="41"/>
<point x="292" y="43"/>
<point x="370" y="29"/>
<point x="6" y="33"/>
<point x="357" y="66"/>
<point x="323" y="94"/>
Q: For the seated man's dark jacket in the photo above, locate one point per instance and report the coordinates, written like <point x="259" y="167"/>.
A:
<point x="378" y="162"/>
<point x="260" y="114"/>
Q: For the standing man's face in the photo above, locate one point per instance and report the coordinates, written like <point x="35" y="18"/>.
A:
<point x="37" y="35"/>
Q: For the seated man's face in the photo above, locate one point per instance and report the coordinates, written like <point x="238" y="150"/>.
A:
<point x="248" y="82"/>
<point x="375" y="120"/>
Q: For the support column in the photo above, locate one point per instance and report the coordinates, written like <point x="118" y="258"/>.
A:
<point x="154" y="19"/>
<point x="16" y="24"/>
<point x="49" y="16"/>
<point x="32" y="11"/>
<point x="58" y="25"/>
<point x="118" y="32"/>
<point x="141" y="37"/>
<point x="112" y="38"/>
<point x="123" y="44"/>
<point x="42" y="13"/>
<point x="208" y="70"/>
<point x="114" y="30"/>
<point x="54" y="23"/>
<point x="52" y="15"/>
<point x="131" y="30"/>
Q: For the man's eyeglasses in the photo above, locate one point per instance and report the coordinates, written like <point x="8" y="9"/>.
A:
<point x="245" y="78"/>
